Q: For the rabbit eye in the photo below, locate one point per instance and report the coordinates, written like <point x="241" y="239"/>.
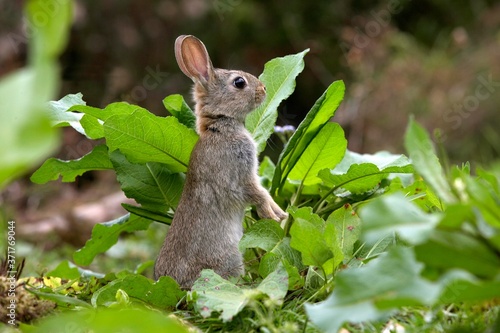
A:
<point x="239" y="82"/>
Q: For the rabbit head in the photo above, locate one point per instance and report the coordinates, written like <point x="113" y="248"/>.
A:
<point x="217" y="92"/>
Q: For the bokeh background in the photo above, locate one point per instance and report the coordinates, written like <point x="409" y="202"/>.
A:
<point x="438" y="60"/>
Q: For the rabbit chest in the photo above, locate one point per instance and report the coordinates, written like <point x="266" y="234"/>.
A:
<point x="226" y="160"/>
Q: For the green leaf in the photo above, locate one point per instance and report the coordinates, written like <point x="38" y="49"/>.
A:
<point x="62" y="301"/>
<point x="316" y="119"/>
<point x="178" y="108"/>
<point x="282" y="252"/>
<point x="358" y="173"/>
<point x="383" y="160"/>
<point x="50" y="37"/>
<point x="372" y="291"/>
<point x="65" y="270"/>
<point x="60" y="117"/>
<point x="485" y="197"/>
<point x="459" y="286"/>
<point x="324" y="151"/>
<point x="264" y="234"/>
<point x="163" y="294"/>
<point x="25" y="129"/>
<point x="275" y="285"/>
<point x="93" y="118"/>
<point x="148" y="214"/>
<point x="309" y="236"/>
<point x="456" y="250"/>
<point x="105" y="235"/>
<point x="105" y="320"/>
<point x="395" y="214"/>
<point x="266" y="172"/>
<point x="360" y="178"/>
<point x="143" y="137"/>
<point x="113" y="109"/>
<point x="279" y="78"/>
<point x="269" y="236"/>
<point x="367" y="252"/>
<point x="455" y="215"/>
<point x="151" y="184"/>
<point x="92" y="126"/>
<point x="24" y="124"/>
<point x="52" y="168"/>
<point x="423" y="156"/>
<point x="295" y="280"/>
<point x="347" y="228"/>
<point x="215" y="294"/>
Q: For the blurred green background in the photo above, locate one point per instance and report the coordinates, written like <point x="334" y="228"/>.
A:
<point x="396" y="57"/>
<point x="436" y="59"/>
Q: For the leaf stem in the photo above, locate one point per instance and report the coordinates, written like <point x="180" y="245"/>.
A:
<point x="294" y="202"/>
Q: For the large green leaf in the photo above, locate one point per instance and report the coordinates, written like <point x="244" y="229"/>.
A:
<point x="361" y="173"/>
<point x="65" y="270"/>
<point x="143" y="137"/>
<point x="323" y="152"/>
<point x="266" y="172"/>
<point x="163" y="294"/>
<point x="91" y="119"/>
<point x="485" y="196"/>
<point x="456" y="250"/>
<point x="459" y="286"/>
<point x="105" y="235"/>
<point x="423" y="156"/>
<point x="372" y="291"/>
<point x="113" y="109"/>
<point x="62" y="301"/>
<point x="279" y="78"/>
<point x="315" y="239"/>
<point x="213" y="293"/>
<point x="149" y="214"/>
<point x="50" y="37"/>
<point x="320" y="114"/>
<point x="52" y="168"/>
<point x="269" y="236"/>
<point x="60" y="117"/>
<point x="151" y="184"/>
<point x="348" y="228"/>
<point x="25" y="129"/>
<point x="176" y="105"/>
<point x="264" y="234"/>
<point x="383" y="160"/>
<point x="396" y="214"/>
<point x="105" y="320"/>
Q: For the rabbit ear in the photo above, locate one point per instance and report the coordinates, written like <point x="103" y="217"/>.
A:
<point x="192" y="58"/>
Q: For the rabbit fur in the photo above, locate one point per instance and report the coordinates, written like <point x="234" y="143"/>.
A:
<point x="222" y="177"/>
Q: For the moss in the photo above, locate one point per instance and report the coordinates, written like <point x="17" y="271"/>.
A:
<point x="19" y="305"/>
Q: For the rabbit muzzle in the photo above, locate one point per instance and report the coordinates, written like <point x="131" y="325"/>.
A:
<point x="260" y="94"/>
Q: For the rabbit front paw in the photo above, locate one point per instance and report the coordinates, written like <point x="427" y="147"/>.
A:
<point x="270" y="210"/>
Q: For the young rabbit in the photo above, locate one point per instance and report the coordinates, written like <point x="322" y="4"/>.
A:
<point x="222" y="175"/>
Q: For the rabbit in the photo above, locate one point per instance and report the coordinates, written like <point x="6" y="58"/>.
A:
<point x="222" y="178"/>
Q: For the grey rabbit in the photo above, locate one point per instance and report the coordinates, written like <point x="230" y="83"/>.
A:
<point x="222" y="177"/>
